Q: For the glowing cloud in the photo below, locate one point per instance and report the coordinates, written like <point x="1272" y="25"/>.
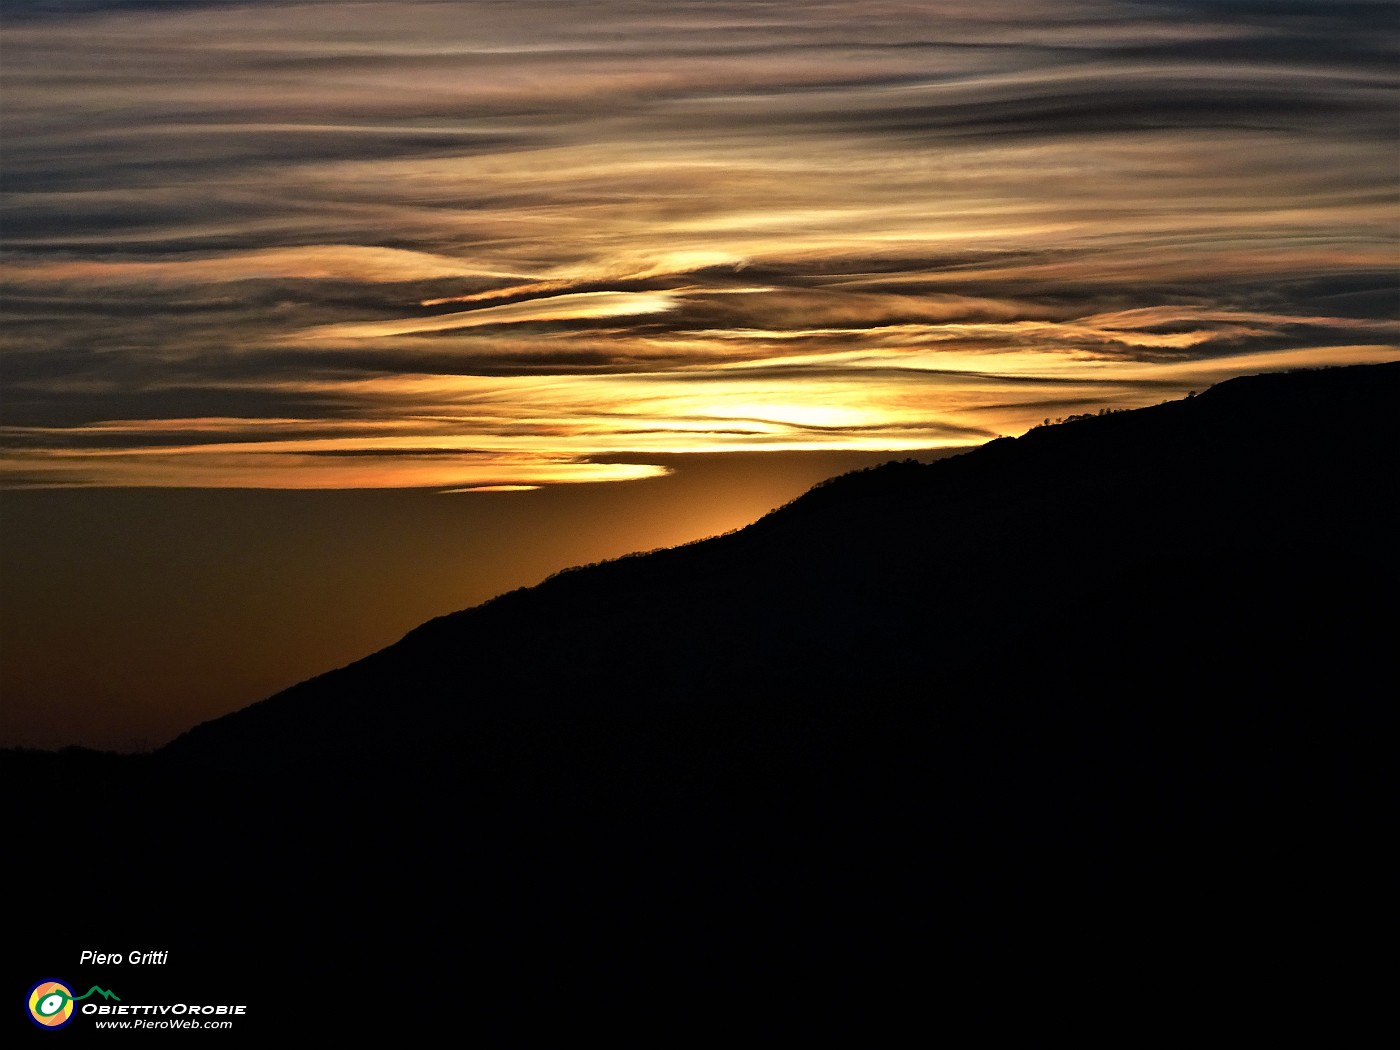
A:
<point x="577" y="307"/>
<point x="477" y="247"/>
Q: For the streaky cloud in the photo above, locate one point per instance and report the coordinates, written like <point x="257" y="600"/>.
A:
<point x="472" y="246"/>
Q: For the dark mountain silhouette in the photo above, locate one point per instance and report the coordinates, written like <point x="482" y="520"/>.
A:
<point x="1117" y="690"/>
<point x="882" y="583"/>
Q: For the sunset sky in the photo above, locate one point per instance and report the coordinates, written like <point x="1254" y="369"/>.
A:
<point x="637" y="271"/>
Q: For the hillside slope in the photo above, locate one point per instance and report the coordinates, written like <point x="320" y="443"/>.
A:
<point x="1259" y="492"/>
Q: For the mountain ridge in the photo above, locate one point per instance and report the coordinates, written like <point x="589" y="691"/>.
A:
<point x="857" y="559"/>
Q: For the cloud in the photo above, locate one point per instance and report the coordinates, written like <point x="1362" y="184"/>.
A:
<point x="246" y="244"/>
<point x="575" y="307"/>
<point x="327" y="262"/>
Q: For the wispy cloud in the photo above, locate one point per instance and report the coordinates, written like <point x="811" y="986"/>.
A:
<point x="579" y="306"/>
<point x="475" y="246"/>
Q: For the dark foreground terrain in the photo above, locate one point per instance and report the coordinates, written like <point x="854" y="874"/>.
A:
<point x="1107" y="704"/>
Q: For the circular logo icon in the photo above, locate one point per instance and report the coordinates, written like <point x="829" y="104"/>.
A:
<point x="51" y="1004"/>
